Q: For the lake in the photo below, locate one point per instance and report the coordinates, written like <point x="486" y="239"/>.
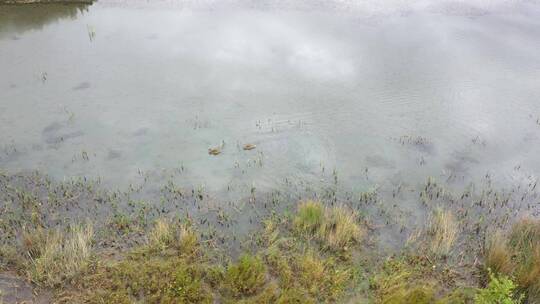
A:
<point x="367" y="96"/>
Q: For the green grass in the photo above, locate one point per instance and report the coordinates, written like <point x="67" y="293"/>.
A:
<point x="518" y="256"/>
<point x="172" y="266"/>
<point x="412" y="279"/>
<point x="337" y="228"/>
<point x="398" y="277"/>
<point x="317" y="255"/>
<point x="309" y="217"/>
<point x="414" y="295"/>
<point x="246" y="277"/>
<point x="168" y="269"/>
<point x="501" y="290"/>
<point x="148" y="279"/>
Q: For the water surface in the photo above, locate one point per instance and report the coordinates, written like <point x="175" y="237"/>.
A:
<point x="372" y="95"/>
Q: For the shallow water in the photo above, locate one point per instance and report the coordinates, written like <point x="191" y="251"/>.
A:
<point x="371" y="95"/>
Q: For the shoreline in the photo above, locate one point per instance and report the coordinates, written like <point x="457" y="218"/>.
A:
<point x="73" y="241"/>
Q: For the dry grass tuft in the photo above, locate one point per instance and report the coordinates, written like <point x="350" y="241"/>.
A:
<point x="56" y="257"/>
<point x="337" y="227"/>
<point x="525" y="239"/>
<point x="442" y="232"/>
<point x="162" y="235"/>
<point x="405" y="280"/>
<point x="529" y="277"/>
<point x="498" y="256"/>
<point x="340" y="228"/>
<point x="525" y="235"/>
<point x="320" y="277"/>
<point x="166" y="235"/>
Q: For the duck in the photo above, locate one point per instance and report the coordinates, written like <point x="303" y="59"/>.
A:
<point x="249" y="146"/>
<point x="216" y="150"/>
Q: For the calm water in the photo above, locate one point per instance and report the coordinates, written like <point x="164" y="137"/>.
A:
<point x="374" y="95"/>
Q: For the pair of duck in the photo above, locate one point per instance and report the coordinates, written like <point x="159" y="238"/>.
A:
<point x="217" y="150"/>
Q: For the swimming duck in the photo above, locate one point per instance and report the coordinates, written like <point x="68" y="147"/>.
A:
<point x="216" y="150"/>
<point x="249" y="146"/>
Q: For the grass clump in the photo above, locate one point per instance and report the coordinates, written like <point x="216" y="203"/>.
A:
<point x="337" y="227"/>
<point x="246" y="277"/>
<point x="304" y="271"/>
<point x="460" y="295"/>
<point x="311" y="272"/>
<point x="340" y="229"/>
<point x="498" y="256"/>
<point x="272" y="294"/>
<point x="524" y="239"/>
<point x="310" y="275"/>
<point x="320" y="277"/>
<point x="148" y="280"/>
<point x="518" y="256"/>
<point x="414" y="295"/>
<point x="402" y="280"/>
<point x="442" y="232"/>
<point x="167" y="236"/>
<point x="171" y="268"/>
<point x="162" y="235"/>
<point x="9" y="257"/>
<point x="168" y="269"/>
<point x="309" y="217"/>
<point x="294" y="296"/>
<point x="55" y="257"/>
<point x="269" y="295"/>
<point x="414" y="279"/>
